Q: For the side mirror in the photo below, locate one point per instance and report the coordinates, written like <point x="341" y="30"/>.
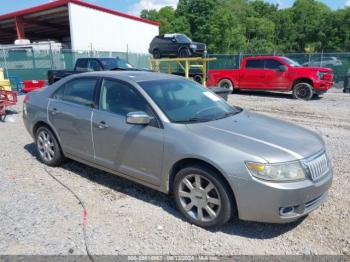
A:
<point x="138" y="118"/>
<point x="282" y="68"/>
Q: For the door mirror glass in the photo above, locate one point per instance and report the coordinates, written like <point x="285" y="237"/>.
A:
<point x="138" y="118"/>
<point x="282" y="68"/>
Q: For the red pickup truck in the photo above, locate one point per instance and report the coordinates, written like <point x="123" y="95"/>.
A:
<point x="275" y="73"/>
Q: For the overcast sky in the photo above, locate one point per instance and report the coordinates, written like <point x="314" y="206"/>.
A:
<point x="135" y="6"/>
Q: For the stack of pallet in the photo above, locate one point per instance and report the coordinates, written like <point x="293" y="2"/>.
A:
<point x="4" y="83"/>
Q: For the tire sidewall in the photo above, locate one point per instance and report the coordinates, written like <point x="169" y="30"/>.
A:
<point x="156" y="54"/>
<point x="226" y="203"/>
<point x="303" y="85"/>
<point x="184" y="52"/>
<point x="58" y="158"/>
<point x="228" y="81"/>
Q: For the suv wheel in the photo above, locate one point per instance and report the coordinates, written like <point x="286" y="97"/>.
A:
<point x="303" y="91"/>
<point x="156" y="54"/>
<point x="184" y="52"/>
<point x="227" y="84"/>
<point x="48" y="148"/>
<point x="202" y="197"/>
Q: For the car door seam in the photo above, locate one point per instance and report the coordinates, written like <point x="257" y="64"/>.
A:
<point x="92" y="134"/>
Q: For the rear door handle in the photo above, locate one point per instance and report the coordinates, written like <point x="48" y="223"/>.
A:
<point x="102" y="125"/>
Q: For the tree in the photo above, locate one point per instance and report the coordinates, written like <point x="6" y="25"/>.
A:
<point x="231" y="26"/>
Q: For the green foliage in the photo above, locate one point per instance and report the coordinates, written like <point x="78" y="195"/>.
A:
<point x="228" y="26"/>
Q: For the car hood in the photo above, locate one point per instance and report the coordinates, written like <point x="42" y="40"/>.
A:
<point x="314" y="69"/>
<point x="261" y="136"/>
<point x="199" y="45"/>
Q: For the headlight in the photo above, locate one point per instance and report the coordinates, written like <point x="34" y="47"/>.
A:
<point x="277" y="172"/>
<point x="193" y="46"/>
<point x="320" y="75"/>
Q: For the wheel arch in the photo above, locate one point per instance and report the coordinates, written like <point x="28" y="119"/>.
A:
<point x="43" y="123"/>
<point x="180" y="164"/>
<point x="303" y="80"/>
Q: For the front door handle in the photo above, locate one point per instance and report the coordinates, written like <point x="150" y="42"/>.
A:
<point x="102" y="125"/>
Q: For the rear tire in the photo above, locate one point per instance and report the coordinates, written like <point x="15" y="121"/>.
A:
<point x="303" y="91"/>
<point x="48" y="148"/>
<point x="202" y="196"/>
<point x="227" y="84"/>
<point x="156" y="54"/>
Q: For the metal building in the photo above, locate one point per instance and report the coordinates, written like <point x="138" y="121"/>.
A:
<point x="79" y="25"/>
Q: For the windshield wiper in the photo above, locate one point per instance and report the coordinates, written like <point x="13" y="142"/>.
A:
<point x="192" y="120"/>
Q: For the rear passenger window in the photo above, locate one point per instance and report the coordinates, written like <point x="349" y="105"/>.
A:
<point x="94" y="65"/>
<point x="78" y="91"/>
<point x="81" y="65"/>
<point x="254" y="64"/>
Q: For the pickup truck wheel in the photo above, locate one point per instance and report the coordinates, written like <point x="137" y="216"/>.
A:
<point x="184" y="52"/>
<point x="156" y="54"/>
<point x="303" y="91"/>
<point x="227" y="84"/>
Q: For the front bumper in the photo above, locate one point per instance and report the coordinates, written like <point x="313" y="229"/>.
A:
<point x="197" y="52"/>
<point x="322" y="86"/>
<point x="271" y="202"/>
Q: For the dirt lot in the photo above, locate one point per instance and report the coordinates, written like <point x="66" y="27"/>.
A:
<point x="40" y="216"/>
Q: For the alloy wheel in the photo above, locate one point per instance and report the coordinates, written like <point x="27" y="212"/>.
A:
<point x="199" y="198"/>
<point x="46" y="146"/>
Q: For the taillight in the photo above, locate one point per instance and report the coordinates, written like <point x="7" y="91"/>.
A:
<point x="26" y="98"/>
<point x="25" y="101"/>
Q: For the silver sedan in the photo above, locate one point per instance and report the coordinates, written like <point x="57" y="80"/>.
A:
<point x="177" y="137"/>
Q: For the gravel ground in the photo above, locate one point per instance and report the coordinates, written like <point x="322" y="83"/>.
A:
<point x="40" y="216"/>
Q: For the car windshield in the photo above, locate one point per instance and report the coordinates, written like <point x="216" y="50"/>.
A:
<point x="113" y="63"/>
<point x="185" y="101"/>
<point x="182" y="39"/>
<point x="291" y="62"/>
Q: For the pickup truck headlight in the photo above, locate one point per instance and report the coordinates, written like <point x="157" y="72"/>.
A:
<point x="320" y="75"/>
<point x="193" y="46"/>
<point x="277" y="172"/>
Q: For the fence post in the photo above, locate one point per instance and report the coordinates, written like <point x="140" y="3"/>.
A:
<point x="51" y="55"/>
<point x="5" y="63"/>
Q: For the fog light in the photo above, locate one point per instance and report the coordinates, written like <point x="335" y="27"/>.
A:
<point x="285" y="211"/>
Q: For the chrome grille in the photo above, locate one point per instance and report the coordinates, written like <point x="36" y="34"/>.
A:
<point x="318" y="166"/>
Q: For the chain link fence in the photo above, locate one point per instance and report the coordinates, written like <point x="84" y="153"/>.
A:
<point x="29" y="64"/>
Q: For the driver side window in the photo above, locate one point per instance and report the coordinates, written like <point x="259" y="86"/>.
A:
<point x="272" y="64"/>
<point x="121" y="99"/>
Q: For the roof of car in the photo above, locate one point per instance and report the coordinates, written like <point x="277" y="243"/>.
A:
<point x="135" y="76"/>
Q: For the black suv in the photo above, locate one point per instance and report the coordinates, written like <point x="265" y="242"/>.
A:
<point x="176" y="45"/>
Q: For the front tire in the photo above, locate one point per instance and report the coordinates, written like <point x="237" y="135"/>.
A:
<point x="48" y="147"/>
<point x="303" y="91"/>
<point x="227" y="84"/>
<point x="184" y="52"/>
<point x="202" y="196"/>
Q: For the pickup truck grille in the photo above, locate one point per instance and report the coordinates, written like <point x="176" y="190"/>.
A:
<point x="318" y="167"/>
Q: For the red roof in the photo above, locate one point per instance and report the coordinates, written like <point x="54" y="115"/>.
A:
<point x="59" y="3"/>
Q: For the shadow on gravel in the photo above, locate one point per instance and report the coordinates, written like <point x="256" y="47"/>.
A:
<point x="125" y="187"/>
<point x="264" y="94"/>
<point x="285" y="95"/>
